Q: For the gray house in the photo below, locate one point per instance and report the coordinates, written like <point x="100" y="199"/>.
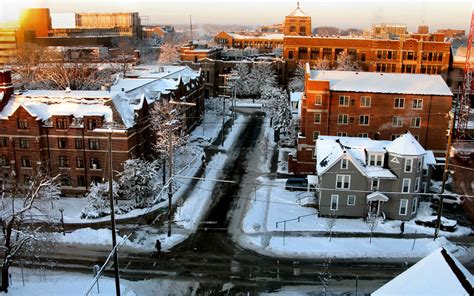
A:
<point x="360" y="177"/>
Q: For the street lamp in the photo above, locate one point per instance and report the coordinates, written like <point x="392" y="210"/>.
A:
<point x="61" y="210"/>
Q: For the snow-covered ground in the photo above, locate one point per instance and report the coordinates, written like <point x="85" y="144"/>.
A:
<point x="51" y="283"/>
<point x="271" y="204"/>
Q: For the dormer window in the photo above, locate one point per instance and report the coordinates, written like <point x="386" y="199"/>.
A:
<point x="61" y="123"/>
<point x="376" y="159"/>
<point x="92" y="124"/>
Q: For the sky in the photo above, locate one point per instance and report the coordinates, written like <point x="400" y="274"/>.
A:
<point x="339" y="13"/>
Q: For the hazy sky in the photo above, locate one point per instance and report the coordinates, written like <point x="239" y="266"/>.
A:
<point x="343" y="14"/>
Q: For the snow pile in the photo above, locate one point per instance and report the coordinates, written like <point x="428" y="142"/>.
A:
<point x="86" y="236"/>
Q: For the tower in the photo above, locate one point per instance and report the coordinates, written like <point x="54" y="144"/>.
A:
<point x="297" y="23"/>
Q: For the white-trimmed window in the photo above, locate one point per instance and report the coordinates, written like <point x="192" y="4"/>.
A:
<point x="344" y="100"/>
<point x="375" y="184"/>
<point x="315" y="135"/>
<point x="419" y="163"/>
<point x="365" y="102"/>
<point x="317" y="118"/>
<point x="341" y="134"/>
<point x="343" y="181"/>
<point x="414" y="206"/>
<point x="399" y="103"/>
<point x="376" y="159"/>
<point x="334" y="202"/>
<point x="363" y="135"/>
<point x="403" y="207"/>
<point x="417" y="104"/>
<point x="406" y="185"/>
<point x="344" y="164"/>
<point x="364" y="120"/>
<point x="415" y="122"/>
<point x="408" y="165"/>
<point x="318" y="101"/>
<point x="417" y="184"/>
<point x="351" y="200"/>
<point x="342" y="119"/>
<point x="397" y="121"/>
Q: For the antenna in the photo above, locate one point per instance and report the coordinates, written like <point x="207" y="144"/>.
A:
<point x="423" y="11"/>
<point x="191" y="28"/>
<point x="298" y="4"/>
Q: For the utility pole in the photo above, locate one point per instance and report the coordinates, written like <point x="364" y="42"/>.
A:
<point x="170" y="185"/>
<point x="225" y="87"/>
<point x="112" y="218"/>
<point x="445" y="173"/>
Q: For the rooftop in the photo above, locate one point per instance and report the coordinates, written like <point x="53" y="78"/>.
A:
<point x="418" y="84"/>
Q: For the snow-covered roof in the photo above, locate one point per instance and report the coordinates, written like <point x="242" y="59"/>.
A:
<point x="162" y="71"/>
<point x="298" y="12"/>
<point x="377" y="196"/>
<point x="429" y="159"/>
<point x="406" y="144"/>
<point x="274" y="36"/>
<point x="439" y="273"/>
<point x="330" y="149"/>
<point x="417" y="84"/>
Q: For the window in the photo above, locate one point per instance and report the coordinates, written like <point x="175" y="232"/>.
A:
<point x="65" y="180"/>
<point x="351" y="200"/>
<point x="415" y="122"/>
<point x="61" y="123"/>
<point x="334" y="202"/>
<point x="399" y="103"/>
<point x="91" y="124"/>
<point x="315" y="135"/>
<point x="317" y="117"/>
<point x="406" y="185"/>
<point x="376" y="159"/>
<point x="408" y="165"/>
<point x="22" y="123"/>
<point x="79" y="144"/>
<point x="343" y="181"/>
<point x="363" y="135"/>
<point x="397" y="121"/>
<point x="81" y="181"/>
<point x="3" y="142"/>
<point x="344" y="164"/>
<point x="417" y="104"/>
<point x="414" y="206"/>
<point x="62" y="143"/>
<point x="63" y="161"/>
<point x="3" y="160"/>
<point x="341" y="134"/>
<point x="423" y="187"/>
<point x="417" y="184"/>
<point x="364" y="119"/>
<point x="24" y="143"/>
<point x="25" y="162"/>
<point x="365" y="101"/>
<point x="375" y="184"/>
<point x="96" y="179"/>
<point x="419" y="162"/>
<point x="343" y="101"/>
<point x="80" y="163"/>
<point x="342" y="119"/>
<point x="394" y="136"/>
<point x="94" y="144"/>
<point x="403" y="207"/>
<point x="26" y="180"/>
<point x="318" y="101"/>
<point x="95" y="164"/>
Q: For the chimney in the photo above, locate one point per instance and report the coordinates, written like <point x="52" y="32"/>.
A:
<point x="6" y="87"/>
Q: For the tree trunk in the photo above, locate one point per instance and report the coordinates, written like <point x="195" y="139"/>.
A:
<point x="5" y="278"/>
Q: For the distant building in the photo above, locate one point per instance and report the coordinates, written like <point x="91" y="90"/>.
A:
<point x="451" y="33"/>
<point x="360" y="177"/>
<point x="386" y="31"/>
<point x="195" y="52"/>
<point x="375" y="105"/>
<point x="260" y="41"/>
<point x="66" y="131"/>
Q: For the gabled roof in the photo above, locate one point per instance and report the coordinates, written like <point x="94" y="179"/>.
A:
<point x="407" y="145"/>
<point x="393" y="83"/>
<point x="377" y="196"/>
<point x="439" y="273"/>
<point x="298" y="12"/>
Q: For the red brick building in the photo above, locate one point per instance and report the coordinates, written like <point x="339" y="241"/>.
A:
<point x="67" y="131"/>
<point x="376" y="105"/>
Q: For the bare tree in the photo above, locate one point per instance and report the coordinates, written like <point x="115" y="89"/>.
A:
<point x="346" y="62"/>
<point x="123" y="56"/>
<point x="261" y="77"/>
<point x="322" y="65"/>
<point x="26" y="64"/>
<point x="18" y="228"/>
<point x="372" y="223"/>
<point x="331" y="221"/>
<point x="297" y="81"/>
<point x="168" y="54"/>
<point x="241" y="80"/>
<point x="325" y="277"/>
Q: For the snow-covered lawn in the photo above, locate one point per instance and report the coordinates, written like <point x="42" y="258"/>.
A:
<point x="271" y="204"/>
<point x="51" y="283"/>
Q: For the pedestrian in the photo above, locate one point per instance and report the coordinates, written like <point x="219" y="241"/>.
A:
<point x="402" y="228"/>
<point x="158" y="248"/>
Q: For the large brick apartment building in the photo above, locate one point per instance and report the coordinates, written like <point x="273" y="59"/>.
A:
<point x="380" y="106"/>
<point x="67" y="131"/>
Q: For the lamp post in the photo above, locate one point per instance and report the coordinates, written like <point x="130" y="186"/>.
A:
<point x="61" y="210"/>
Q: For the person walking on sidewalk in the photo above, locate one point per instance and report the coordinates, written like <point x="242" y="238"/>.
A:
<point x="158" y="248"/>
<point x="402" y="228"/>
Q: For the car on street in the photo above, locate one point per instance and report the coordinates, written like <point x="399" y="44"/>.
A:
<point x="453" y="200"/>
<point x="431" y="221"/>
<point x="296" y="183"/>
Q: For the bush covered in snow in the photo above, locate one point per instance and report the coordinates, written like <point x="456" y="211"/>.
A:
<point x="98" y="204"/>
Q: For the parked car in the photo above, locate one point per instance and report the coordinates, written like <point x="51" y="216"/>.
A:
<point x="431" y="221"/>
<point x="296" y="184"/>
<point x="454" y="200"/>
